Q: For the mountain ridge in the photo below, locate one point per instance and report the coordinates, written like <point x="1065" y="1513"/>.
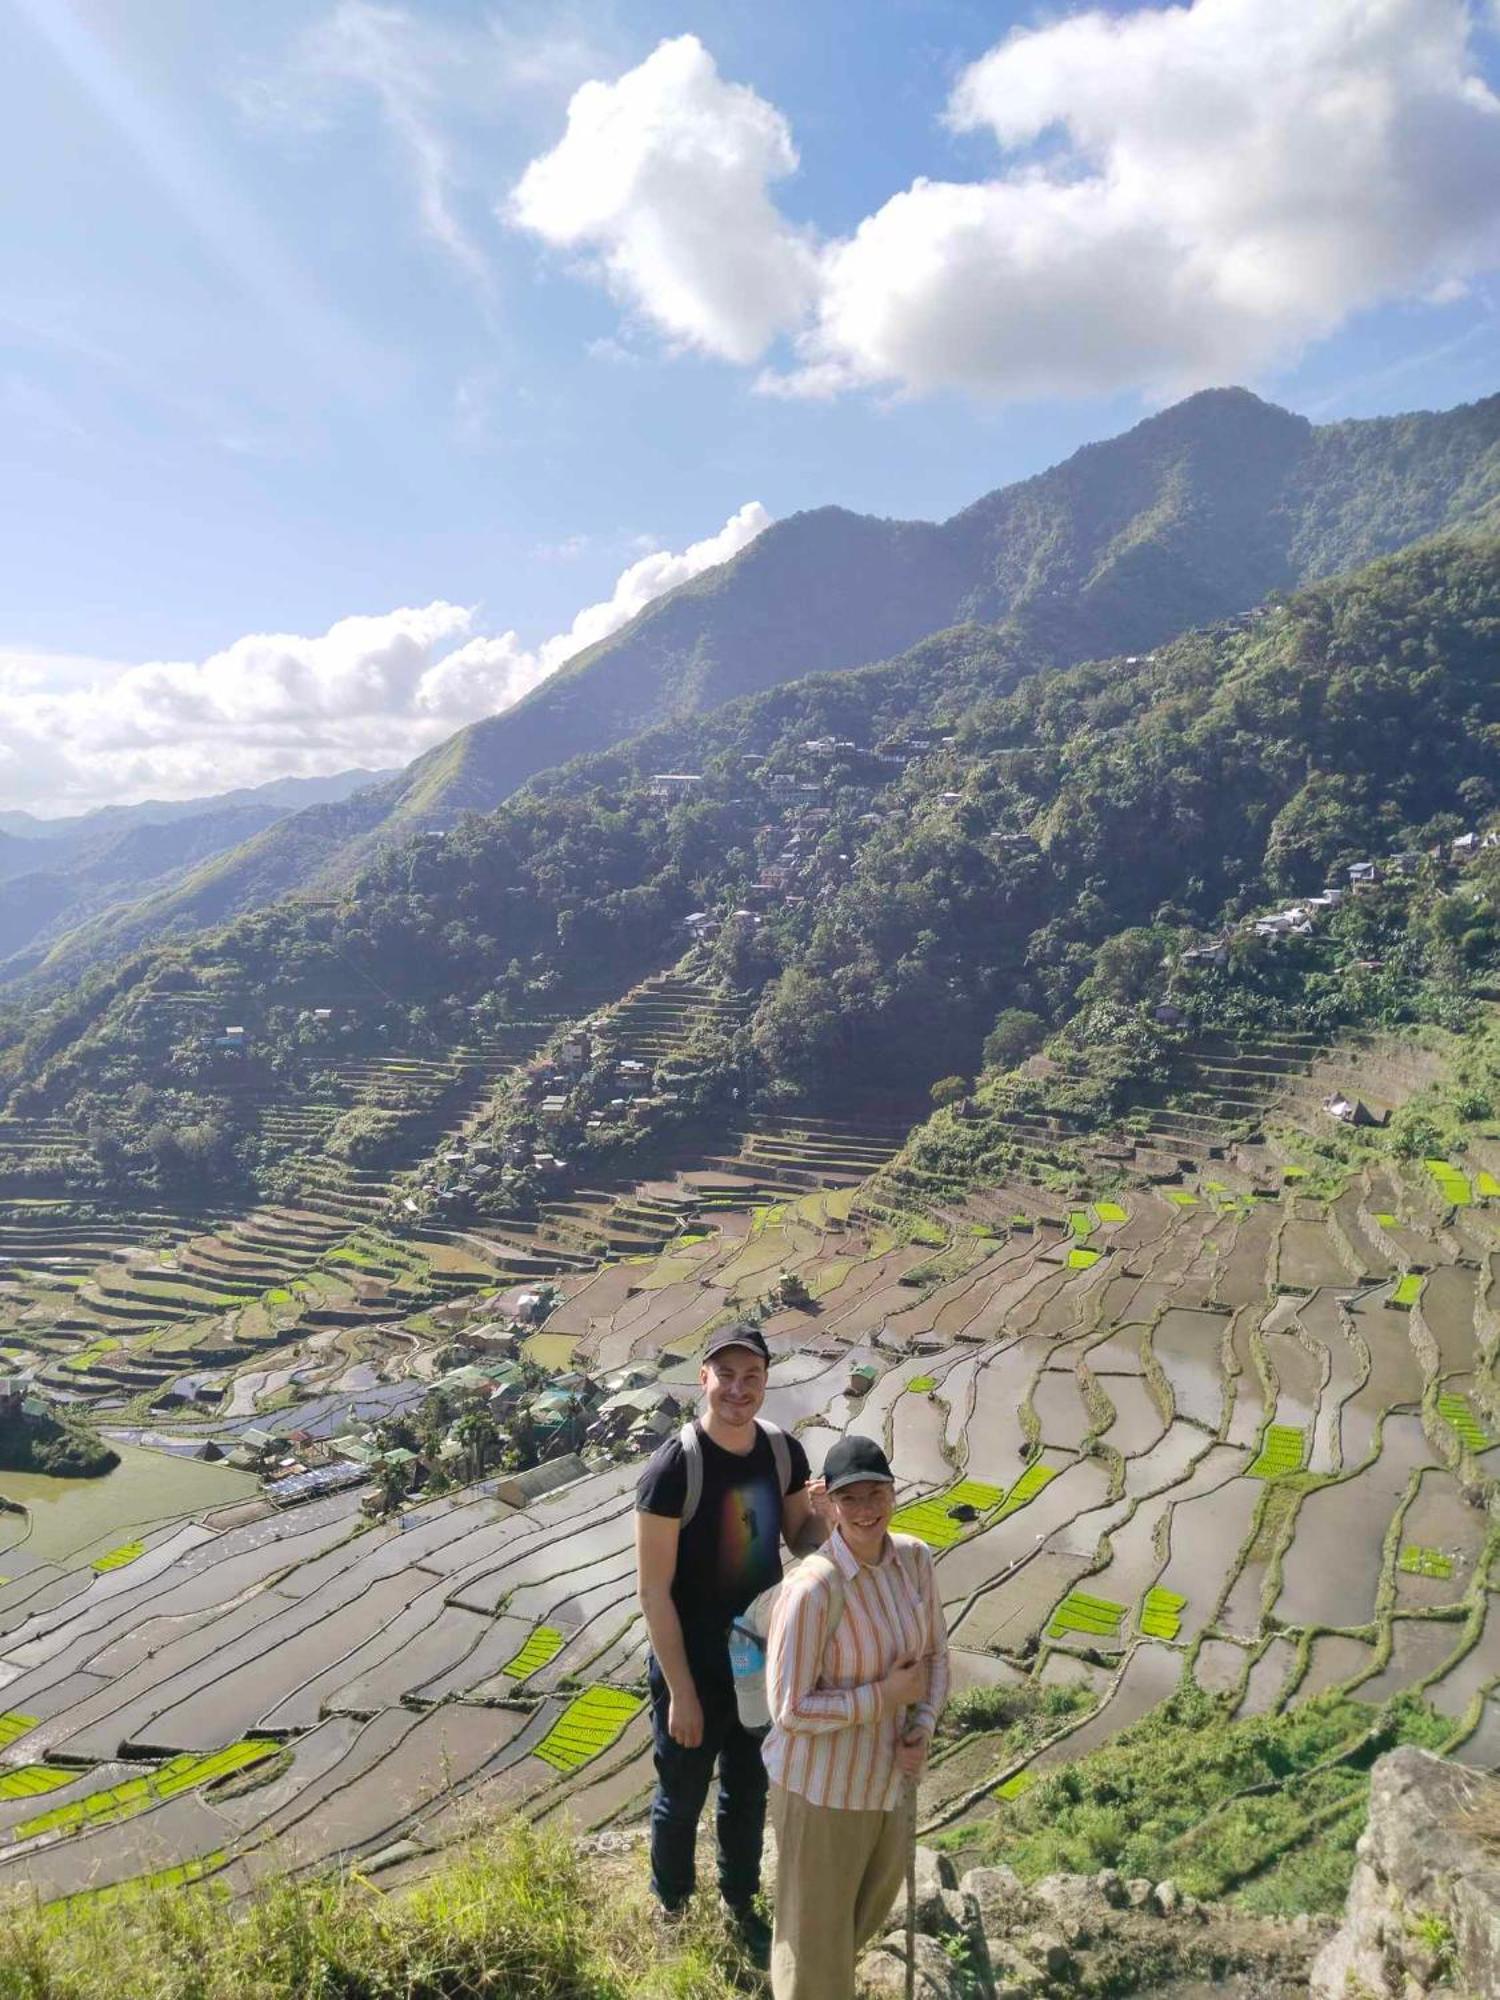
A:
<point x="1199" y="512"/>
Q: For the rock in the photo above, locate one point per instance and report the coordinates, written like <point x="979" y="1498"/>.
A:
<point x="882" y="1973"/>
<point x="1424" y="1904"/>
<point x="1074" y="1905"/>
<point x="1113" y="1887"/>
<point x="994" y="1901"/>
<point x="1138" y="1892"/>
<point x="1047" y="1950"/>
<point x="1166" y="1899"/>
<point x="934" y="1876"/>
<point x="1013" y="1976"/>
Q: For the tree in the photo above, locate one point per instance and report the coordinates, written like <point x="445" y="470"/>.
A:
<point x="949" y="1090"/>
<point x="1015" y="1035"/>
<point x="476" y="1431"/>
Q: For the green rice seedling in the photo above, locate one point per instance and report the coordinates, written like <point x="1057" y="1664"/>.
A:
<point x="1457" y="1412"/>
<point x="1418" y="1561"/>
<point x="1283" y="1451"/>
<point x="1161" y="1613"/>
<point x="932" y="1519"/>
<point x="1180" y="1198"/>
<point x="587" y="1726"/>
<point x="1079" y="1223"/>
<point x="541" y="1646"/>
<point x="33" y="1781"/>
<point x="1110" y="1211"/>
<point x="921" y="1385"/>
<point x="1485" y="1185"/>
<point x="13" y="1725"/>
<point x="1093" y="1617"/>
<point x="1013" y="1787"/>
<point x="1385" y="1218"/>
<point x="127" y="1552"/>
<point x="1026" y="1488"/>
<point x="123" y="1801"/>
<point x="1407" y="1290"/>
<point x="1452" y="1185"/>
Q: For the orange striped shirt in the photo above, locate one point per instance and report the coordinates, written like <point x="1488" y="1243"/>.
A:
<point x="829" y="1742"/>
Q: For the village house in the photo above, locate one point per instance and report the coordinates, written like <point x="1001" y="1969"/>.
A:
<point x="671" y="785"/>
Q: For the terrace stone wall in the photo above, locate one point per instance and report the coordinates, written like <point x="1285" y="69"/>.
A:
<point x="1423" y="1915"/>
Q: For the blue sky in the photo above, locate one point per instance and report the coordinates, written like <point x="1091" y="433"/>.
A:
<point x="314" y="315"/>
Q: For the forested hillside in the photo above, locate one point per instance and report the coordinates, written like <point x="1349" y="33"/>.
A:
<point x="58" y="873"/>
<point x="1196" y="514"/>
<point x="883" y="862"/>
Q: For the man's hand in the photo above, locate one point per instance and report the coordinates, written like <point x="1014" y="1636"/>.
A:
<point x="911" y="1753"/>
<point x="685" y="1718"/>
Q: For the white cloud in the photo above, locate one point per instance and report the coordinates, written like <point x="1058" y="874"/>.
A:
<point x="370" y="691"/>
<point x="1189" y="194"/>
<point x="663" y="177"/>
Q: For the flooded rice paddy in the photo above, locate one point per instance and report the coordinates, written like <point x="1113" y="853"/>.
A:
<point x="469" y="1657"/>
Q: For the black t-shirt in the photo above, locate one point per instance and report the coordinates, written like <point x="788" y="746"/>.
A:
<point x="731" y="1549"/>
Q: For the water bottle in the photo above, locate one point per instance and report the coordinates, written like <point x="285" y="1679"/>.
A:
<point x="747" y="1662"/>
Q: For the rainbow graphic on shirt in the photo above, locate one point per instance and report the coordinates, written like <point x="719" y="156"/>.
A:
<point x="750" y="1537"/>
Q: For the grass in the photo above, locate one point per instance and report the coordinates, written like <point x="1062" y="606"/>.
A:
<point x="1093" y="1617"/>
<point x="587" y="1726"/>
<point x="1417" y="1561"/>
<point x="932" y="1519"/>
<point x="516" y="1913"/>
<point x="1457" y="1412"/>
<point x="1283" y="1451"/>
<point x="1161" y="1613"/>
<point x="542" y="1646"/>
<point x="1169" y="1797"/>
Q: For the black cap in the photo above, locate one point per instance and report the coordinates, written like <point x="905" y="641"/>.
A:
<point x="739" y="1334"/>
<point x="854" y="1458"/>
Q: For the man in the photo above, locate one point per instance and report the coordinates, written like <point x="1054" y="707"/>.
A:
<point x="694" y="1577"/>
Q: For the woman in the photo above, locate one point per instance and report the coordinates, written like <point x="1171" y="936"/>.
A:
<point x="857" y="1672"/>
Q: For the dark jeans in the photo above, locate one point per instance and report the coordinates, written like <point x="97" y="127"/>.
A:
<point x="682" y="1781"/>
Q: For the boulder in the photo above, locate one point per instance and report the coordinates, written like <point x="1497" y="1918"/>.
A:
<point x="935" y="1915"/>
<point x="995" y="1903"/>
<point x="882" y="1973"/>
<point x="1075" y="1907"/>
<point x="1423" y="1911"/>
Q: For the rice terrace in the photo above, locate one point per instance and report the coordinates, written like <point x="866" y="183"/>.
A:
<point x="1212" y="1414"/>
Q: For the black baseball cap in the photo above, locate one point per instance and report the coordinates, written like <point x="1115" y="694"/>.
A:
<point x="855" y="1458"/>
<point x="739" y="1333"/>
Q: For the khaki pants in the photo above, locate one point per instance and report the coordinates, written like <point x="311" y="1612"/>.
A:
<point x="837" y="1875"/>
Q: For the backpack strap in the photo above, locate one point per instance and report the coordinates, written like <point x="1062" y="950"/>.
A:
<point x="692" y="1460"/>
<point x="692" y="1457"/>
<point x="781" y="1451"/>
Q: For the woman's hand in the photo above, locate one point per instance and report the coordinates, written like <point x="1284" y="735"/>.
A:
<point x="908" y="1683"/>
<point x="911" y="1752"/>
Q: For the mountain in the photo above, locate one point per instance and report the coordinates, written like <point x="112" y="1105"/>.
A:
<point x="56" y="874"/>
<point x="1196" y="514"/>
<point x="991" y="839"/>
<point x="285" y="794"/>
